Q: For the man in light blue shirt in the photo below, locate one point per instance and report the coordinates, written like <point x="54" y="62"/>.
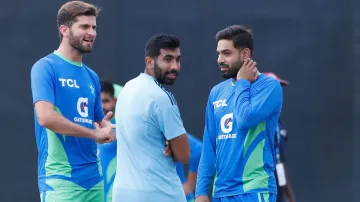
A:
<point x="147" y="119"/>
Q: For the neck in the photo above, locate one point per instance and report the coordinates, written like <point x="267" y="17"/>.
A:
<point x="149" y="73"/>
<point x="69" y="52"/>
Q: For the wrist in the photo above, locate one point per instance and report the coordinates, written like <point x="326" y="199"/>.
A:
<point x="242" y="82"/>
<point x="202" y="194"/>
<point x="92" y="134"/>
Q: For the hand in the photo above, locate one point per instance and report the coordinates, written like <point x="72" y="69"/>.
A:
<point x="107" y="120"/>
<point x="248" y="71"/>
<point x="105" y="134"/>
<point x="202" y="199"/>
<point x="167" y="150"/>
<point x="187" y="189"/>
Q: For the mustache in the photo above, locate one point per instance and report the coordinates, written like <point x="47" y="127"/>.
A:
<point x="223" y="65"/>
<point x="173" y="72"/>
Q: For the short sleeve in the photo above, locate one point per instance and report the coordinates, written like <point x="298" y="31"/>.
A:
<point x="99" y="113"/>
<point x="43" y="82"/>
<point x="168" y="117"/>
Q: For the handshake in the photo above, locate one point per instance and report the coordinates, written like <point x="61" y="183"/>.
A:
<point x="104" y="133"/>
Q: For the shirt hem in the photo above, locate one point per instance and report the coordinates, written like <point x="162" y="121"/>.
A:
<point x="234" y="193"/>
<point x="74" y="188"/>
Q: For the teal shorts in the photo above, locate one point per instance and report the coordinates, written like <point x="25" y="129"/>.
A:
<point x="249" y="197"/>
<point x="72" y="196"/>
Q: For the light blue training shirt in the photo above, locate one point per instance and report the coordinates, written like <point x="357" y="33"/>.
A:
<point x="146" y="116"/>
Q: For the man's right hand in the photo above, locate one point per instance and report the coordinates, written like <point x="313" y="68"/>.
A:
<point x="248" y="71"/>
<point x="202" y="199"/>
<point x="105" y="134"/>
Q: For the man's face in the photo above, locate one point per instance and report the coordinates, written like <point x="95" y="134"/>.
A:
<point x="108" y="102"/>
<point x="82" y="33"/>
<point x="167" y="66"/>
<point x="229" y="59"/>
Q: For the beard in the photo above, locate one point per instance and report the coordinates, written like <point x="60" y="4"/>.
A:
<point x="76" y="43"/>
<point x="161" y="75"/>
<point x="232" y="69"/>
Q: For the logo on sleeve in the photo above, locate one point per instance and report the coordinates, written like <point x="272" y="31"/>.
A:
<point x="83" y="110"/>
<point x="92" y="89"/>
<point x="226" y="124"/>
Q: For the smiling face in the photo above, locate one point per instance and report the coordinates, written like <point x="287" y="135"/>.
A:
<point x="76" y="21"/>
<point x="81" y="34"/>
<point x="167" y="66"/>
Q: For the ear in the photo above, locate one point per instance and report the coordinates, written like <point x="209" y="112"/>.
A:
<point x="64" y="30"/>
<point x="246" y="54"/>
<point x="149" y="61"/>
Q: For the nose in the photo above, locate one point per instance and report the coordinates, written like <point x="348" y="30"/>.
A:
<point x="175" y="65"/>
<point x="91" y="32"/>
<point x="220" y="59"/>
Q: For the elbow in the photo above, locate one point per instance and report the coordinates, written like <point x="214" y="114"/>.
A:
<point x="44" y="121"/>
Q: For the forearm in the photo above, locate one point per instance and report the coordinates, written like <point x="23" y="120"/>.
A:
<point x="206" y="173"/>
<point x="288" y="191"/>
<point x="188" y="188"/>
<point x="59" y="124"/>
<point x="243" y="106"/>
<point x="256" y="105"/>
<point x="189" y="185"/>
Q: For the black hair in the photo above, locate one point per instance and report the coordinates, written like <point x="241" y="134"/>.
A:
<point x="241" y="36"/>
<point x="160" y="41"/>
<point x="107" y="87"/>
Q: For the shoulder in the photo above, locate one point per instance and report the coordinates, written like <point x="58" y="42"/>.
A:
<point x="266" y="81"/>
<point x="161" y="96"/>
<point x="91" y="72"/>
<point x="43" y="64"/>
<point x="219" y="88"/>
<point x="221" y="85"/>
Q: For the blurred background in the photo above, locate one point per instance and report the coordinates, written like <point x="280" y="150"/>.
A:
<point x="312" y="44"/>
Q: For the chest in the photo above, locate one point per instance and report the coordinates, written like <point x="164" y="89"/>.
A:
<point x="75" y="90"/>
<point x="223" y="106"/>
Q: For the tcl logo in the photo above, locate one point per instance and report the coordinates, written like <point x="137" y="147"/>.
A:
<point x="68" y="82"/>
<point x="220" y="103"/>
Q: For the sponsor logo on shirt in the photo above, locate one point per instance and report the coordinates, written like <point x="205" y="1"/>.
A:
<point x="69" y="83"/>
<point x="220" y="103"/>
<point x="83" y="110"/>
<point x="226" y="124"/>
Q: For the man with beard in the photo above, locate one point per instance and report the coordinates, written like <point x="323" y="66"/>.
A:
<point x="147" y="119"/>
<point x="241" y="118"/>
<point x="69" y="119"/>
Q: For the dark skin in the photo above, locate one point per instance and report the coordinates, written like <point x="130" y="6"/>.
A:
<point x="165" y="68"/>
